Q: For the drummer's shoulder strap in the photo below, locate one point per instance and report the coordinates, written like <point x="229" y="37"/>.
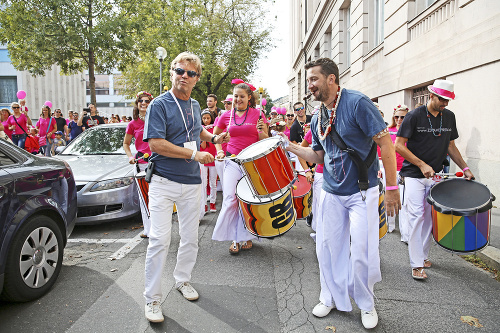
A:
<point x="362" y="166"/>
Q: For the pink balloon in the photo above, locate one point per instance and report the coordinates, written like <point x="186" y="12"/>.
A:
<point x="264" y="101"/>
<point x="48" y="103"/>
<point x="21" y="94"/>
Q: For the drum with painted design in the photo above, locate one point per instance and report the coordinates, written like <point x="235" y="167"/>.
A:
<point x="382" y="218"/>
<point x="461" y="215"/>
<point x="265" y="217"/>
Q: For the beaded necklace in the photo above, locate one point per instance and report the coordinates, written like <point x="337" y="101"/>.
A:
<point x="142" y="117"/>
<point x="324" y="134"/>
<point x="440" y="122"/>
<point x="244" y="120"/>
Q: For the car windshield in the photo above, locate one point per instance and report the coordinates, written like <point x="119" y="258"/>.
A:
<point x="99" y="141"/>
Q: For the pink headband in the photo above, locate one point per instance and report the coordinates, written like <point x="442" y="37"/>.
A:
<point x="238" y="81"/>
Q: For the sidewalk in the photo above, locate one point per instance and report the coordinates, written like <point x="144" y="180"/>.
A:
<point x="491" y="254"/>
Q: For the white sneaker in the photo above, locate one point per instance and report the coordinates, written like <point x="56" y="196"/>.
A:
<point x="153" y="312"/>
<point x="321" y="310"/>
<point x="188" y="291"/>
<point x="369" y="318"/>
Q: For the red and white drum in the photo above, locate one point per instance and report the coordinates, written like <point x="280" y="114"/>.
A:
<point x="143" y="186"/>
<point x="267" y="167"/>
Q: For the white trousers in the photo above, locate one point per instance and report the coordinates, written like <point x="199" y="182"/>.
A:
<point x="347" y="249"/>
<point x="317" y="185"/>
<point x="419" y="218"/>
<point x="145" y="218"/>
<point x="391" y="220"/>
<point x="219" y="166"/>
<point x="212" y="174"/>
<point x="163" y="194"/>
<point x="230" y="225"/>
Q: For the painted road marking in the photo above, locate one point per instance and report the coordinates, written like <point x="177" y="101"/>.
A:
<point x="130" y="243"/>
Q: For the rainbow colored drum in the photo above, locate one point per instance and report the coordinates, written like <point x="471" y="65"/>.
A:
<point x="461" y="215"/>
<point x="302" y="197"/>
<point x="265" y="217"/>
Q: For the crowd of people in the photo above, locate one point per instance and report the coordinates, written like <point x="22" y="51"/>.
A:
<point x="335" y="148"/>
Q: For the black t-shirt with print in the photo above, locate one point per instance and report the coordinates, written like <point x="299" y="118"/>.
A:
<point x="422" y="139"/>
<point x="91" y="121"/>
<point x="297" y="130"/>
<point x="60" y="122"/>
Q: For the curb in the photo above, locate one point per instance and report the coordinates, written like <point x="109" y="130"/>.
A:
<point x="491" y="256"/>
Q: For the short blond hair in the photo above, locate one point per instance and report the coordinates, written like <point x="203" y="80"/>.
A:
<point x="190" y="58"/>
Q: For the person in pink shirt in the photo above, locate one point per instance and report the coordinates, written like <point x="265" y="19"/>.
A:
<point x="18" y="124"/>
<point x="135" y="129"/>
<point x="4" y="116"/>
<point x="245" y="125"/>
<point x="290" y="118"/>
<point x="397" y="119"/>
<point x="208" y="170"/>
<point x="46" y="126"/>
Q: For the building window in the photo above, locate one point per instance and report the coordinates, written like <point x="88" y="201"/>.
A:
<point x="346" y="34"/>
<point x="377" y="23"/>
<point x="101" y="85"/>
<point x="419" y="95"/>
<point x="8" y="89"/>
<point x="421" y="5"/>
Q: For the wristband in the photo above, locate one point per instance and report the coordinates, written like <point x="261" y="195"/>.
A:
<point x="465" y="169"/>
<point x="131" y="158"/>
<point x="392" y="188"/>
<point x="213" y="138"/>
<point x="194" y="154"/>
<point x="307" y="170"/>
<point x="218" y="151"/>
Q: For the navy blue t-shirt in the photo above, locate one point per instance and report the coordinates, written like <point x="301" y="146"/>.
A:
<point x="357" y="121"/>
<point x="423" y="142"/>
<point x="164" y="121"/>
<point x="74" y="129"/>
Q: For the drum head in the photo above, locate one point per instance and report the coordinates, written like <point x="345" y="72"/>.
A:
<point x="303" y="186"/>
<point x="141" y="174"/>
<point x="258" y="149"/>
<point x="245" y="194"/>
<point x="460" y="196"/>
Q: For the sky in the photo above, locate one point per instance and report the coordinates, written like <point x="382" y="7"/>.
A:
<point x="274" y="67"/>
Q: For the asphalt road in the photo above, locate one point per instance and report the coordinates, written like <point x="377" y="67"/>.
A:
<point x="271" y="288"/>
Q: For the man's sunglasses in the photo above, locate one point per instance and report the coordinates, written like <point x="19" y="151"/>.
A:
<point x="147" y="101"/>
<point x="180" y="71"/>
<point x="298" y="109"/>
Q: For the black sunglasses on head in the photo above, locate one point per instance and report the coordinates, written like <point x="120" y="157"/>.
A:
<point x="180" y="71"/>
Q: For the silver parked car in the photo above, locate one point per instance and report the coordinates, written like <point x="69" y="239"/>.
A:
<point x="104" y="178"/>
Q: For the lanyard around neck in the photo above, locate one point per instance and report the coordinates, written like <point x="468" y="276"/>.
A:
<point x="182" y="114"/>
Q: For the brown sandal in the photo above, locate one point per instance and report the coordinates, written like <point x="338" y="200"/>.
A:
<point x="246" y="245"/>
<point x="234" y="248"/>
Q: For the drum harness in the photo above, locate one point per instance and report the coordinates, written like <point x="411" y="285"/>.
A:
<point x="362" y="166"/>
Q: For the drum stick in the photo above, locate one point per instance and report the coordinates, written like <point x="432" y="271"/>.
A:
<point x="457" y="174"/>
<point x="146" y="155"/>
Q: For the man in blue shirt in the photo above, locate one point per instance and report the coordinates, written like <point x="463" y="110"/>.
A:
<point x="173" y="130"/>
<point x="347" y="228"/>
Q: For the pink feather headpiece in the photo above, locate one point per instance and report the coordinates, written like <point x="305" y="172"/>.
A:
<point x="238" y="81"/>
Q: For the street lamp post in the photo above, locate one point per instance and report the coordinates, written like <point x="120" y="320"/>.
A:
<point x="161" y="54"/>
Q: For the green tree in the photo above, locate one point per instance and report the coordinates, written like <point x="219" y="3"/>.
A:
<point x="76" y="35"/>
<point x="227" y="35"/>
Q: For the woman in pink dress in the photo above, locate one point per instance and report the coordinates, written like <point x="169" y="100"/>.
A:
<point x="46" y="126"/>
<point x="4" y="116"/>
<point x="135" y="129"/>
<point x="246" y="125"/>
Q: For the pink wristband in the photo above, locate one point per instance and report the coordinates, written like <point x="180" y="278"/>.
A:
<point x="131" y="158"/>
<point x="392" y="188"/>
<point x="465" y="169"/>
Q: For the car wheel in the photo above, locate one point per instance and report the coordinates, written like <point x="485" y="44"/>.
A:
<point x="34" y="260"/>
